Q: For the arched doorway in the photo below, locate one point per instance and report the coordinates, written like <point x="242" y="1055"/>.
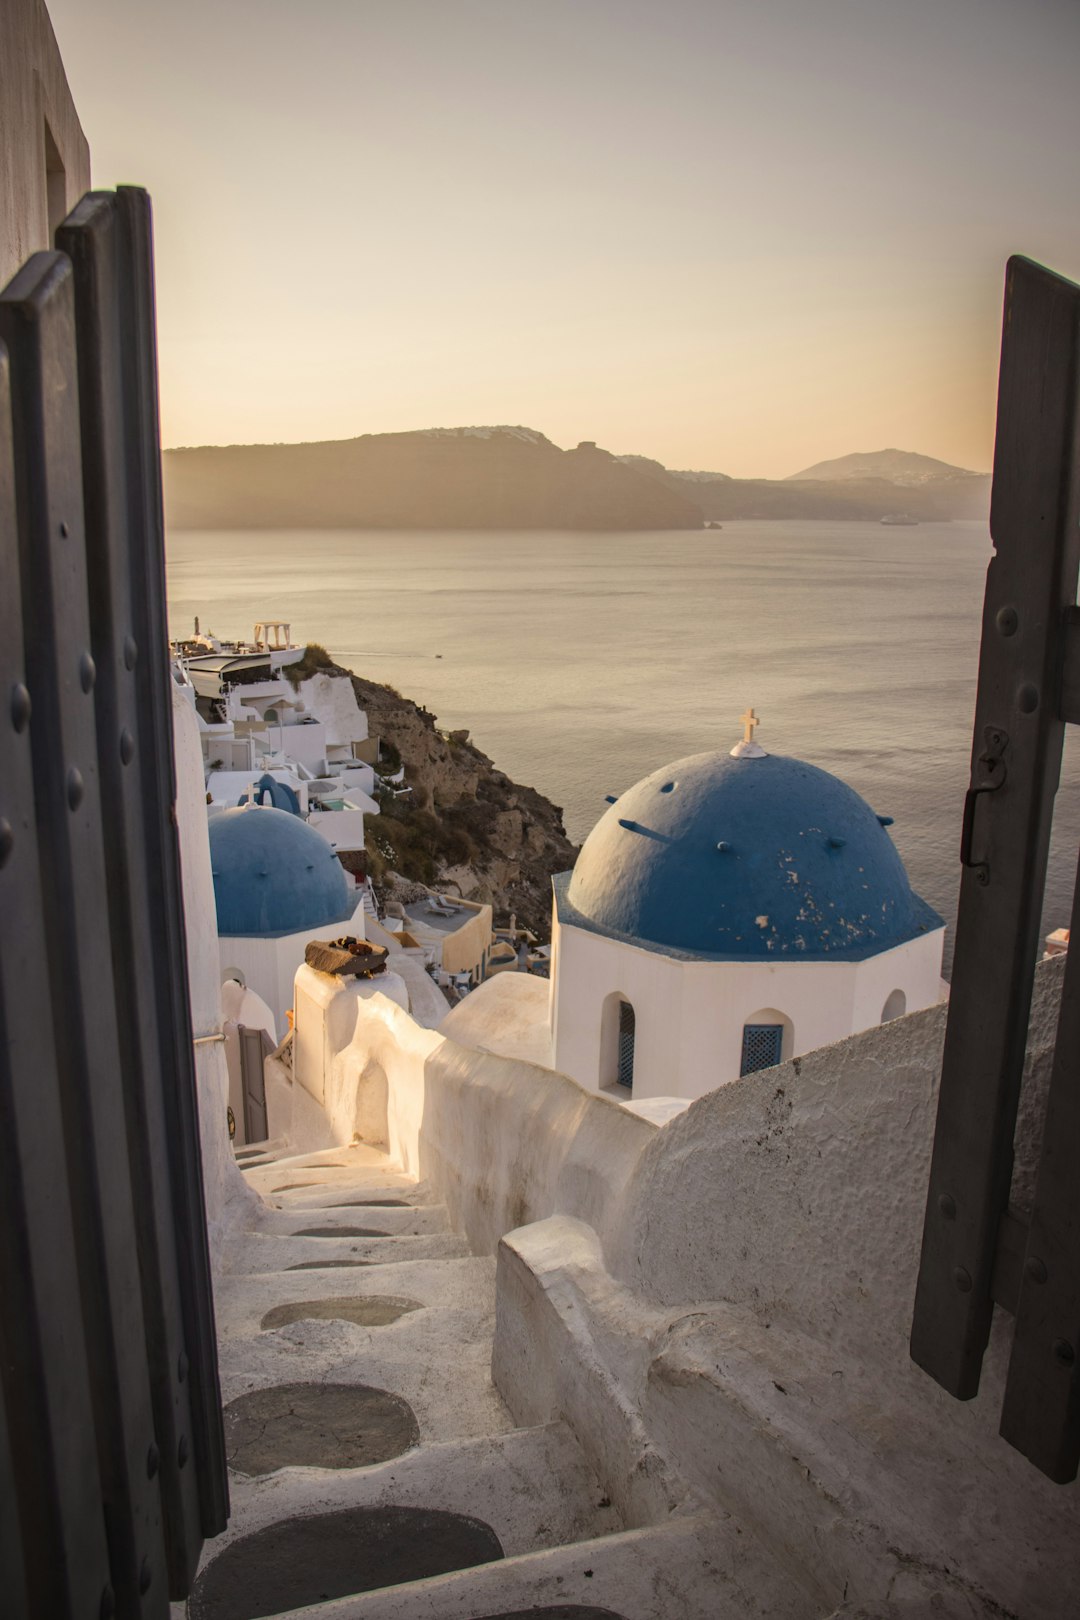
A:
<point x="895" y="1006"/>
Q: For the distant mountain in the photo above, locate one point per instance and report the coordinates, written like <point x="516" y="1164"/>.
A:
<point x="861" y="499"/>
<point x="515" y="478"/>
<point x="902" y="467"/>
<point x="444" y="478"/>
<point x="861" y="487"/>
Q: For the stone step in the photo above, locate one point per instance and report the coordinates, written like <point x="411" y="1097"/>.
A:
<point x="266" y="1251"/>
<point x="694" y="1568"/>
<point x="433" y="1348"/>
<point x="466" y="1283"/>
<point x="356" y="1162"/>
<point x="413" y="1220"/>
<point x="347" y="1191"/>
<point x="502" y="1488"/>
<point x="252" y="1153"/>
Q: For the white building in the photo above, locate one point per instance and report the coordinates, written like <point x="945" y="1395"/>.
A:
<point x="276" y="886"/>
<point x="729" y="912"/>
<point x="258" y="729"/>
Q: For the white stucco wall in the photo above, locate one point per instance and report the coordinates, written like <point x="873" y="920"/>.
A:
<point x="690" y="1014"/>
<point x="36" y="109"/>
<point x="304" y="742"/>
<point x="342" y="829"/>
<point x="226" y="1191"/>
<point x="502" y="1141"/>
<point x="720" y="1308"/>
<point x="269" y="965"/>
<point x="332" y="700"/>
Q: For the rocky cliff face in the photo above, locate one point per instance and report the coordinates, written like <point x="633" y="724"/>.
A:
<point x="465" y="825"/>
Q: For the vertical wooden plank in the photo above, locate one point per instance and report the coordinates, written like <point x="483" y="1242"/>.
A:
<point x="37" y="324"/>
<point x="12" y="1568"/>
<point x="43" y="1360"/>
<point x="1016" y="756"/>
<point x="1041" y="1411"/>
<point x="158" y="778"/>
<point x="93" y="238"/>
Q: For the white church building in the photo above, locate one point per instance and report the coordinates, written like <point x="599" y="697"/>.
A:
<point x="729" y="912"/>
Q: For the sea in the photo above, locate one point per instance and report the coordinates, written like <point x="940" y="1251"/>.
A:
<point x="580" y="662"/>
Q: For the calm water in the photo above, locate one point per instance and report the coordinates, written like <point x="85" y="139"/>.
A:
<point x="580" y="662"/>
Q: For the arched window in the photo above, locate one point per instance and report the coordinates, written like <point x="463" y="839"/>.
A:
<point x="617" y="1035"/>
<point x="767" y="1039"/>
<point x="895" y="1006"/>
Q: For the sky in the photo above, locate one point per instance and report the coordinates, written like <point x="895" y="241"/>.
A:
<point x="736" y="235"/>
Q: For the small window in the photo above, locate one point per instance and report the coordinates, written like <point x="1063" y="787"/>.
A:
<point x="55" y="185"/>
<point x="895" y="1006"/>
<point x="627" y="1022"/>
<point x="762" y="1047"/>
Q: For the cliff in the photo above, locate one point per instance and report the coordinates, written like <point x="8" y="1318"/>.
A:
<point x="515" y="478"/>
<point x="465" y="825"/>
<point x="448" y="478"/>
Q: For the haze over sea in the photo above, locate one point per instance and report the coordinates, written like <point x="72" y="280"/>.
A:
<point x="580" y="662"/>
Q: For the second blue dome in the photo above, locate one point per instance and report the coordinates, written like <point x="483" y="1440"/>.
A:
<point x="273" y="874"/>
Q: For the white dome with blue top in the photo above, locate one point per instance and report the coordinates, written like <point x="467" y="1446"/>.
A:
<point x="745" y="856"/>
<point x="273" y="874"/>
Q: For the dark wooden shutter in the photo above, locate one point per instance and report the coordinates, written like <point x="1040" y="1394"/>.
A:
<point x="110" y="1385"/>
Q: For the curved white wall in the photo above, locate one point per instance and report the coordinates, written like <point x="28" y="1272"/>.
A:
<point x="223" y="1184"/>
<point x="723" y="1305"/>
<point x="503" y="1142"/>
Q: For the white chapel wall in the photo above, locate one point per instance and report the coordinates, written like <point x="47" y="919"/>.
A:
<point x="690" y="1014"/>
<point x="913" y="968"/>
<point x="269" y="962"/>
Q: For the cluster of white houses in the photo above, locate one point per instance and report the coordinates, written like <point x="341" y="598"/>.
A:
<point x="289" y="775"/>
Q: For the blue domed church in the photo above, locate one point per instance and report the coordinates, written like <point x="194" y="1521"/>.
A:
<point x="729" y="912"/>
<point x="277" y="884"/>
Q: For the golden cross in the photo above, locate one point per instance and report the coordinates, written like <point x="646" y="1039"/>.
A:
<point x="749" y="720"/>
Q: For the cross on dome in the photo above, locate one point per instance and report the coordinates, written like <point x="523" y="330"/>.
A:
<point x="746" y="747"/>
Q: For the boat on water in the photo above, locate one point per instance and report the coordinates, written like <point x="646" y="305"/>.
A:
<point x="900" y="520"/>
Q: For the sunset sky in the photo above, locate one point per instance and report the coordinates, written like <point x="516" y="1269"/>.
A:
<point x="743" y="235"/>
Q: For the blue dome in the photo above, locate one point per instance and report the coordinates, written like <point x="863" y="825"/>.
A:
<point x="273" y="874"/>
<point x="744" y="858"/>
